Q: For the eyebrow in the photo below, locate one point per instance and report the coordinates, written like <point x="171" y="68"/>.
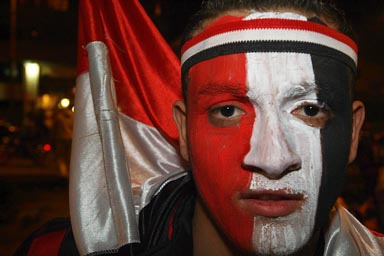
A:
<point x="223" y="88"/>
<point x="301" y="90"/>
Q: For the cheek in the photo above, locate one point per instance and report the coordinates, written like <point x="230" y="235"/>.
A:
<point x="217" y="155"/>
<point x="336" y="135"/>
<point x="335" y="159"/>
<point x="216" y="152"/>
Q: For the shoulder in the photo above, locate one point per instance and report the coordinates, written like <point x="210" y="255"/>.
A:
<point x="165" y="223"/>
<point x="53" y="238"/>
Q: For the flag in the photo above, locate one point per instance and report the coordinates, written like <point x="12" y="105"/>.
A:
<point x="124" y="138"/>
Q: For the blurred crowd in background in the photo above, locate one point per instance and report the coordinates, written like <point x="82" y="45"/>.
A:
<point x="44" y="140"/>
<point x="363" y="192"/>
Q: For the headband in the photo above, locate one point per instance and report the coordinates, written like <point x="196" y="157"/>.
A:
<point x="230" y="35"/>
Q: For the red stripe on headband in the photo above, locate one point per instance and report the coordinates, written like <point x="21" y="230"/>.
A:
<point x="230" y="23"/>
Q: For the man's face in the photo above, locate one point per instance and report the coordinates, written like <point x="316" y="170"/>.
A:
<point x="257" y="127"/>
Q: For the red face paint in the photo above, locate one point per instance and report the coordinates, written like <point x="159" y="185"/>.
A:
<point x="220" y="121"/>
<point x="222" y="124"/>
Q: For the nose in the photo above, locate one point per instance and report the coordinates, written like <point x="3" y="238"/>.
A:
<point x="271" y="153"/>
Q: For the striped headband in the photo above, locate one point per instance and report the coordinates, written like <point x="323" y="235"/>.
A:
<point x="230" y="35"/>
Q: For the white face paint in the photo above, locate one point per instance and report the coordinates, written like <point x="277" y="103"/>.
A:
<point x="285" y="150"/>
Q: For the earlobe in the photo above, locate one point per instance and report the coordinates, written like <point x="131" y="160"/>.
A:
<point x="358" y="111"/>
<point x="180" y="118"/>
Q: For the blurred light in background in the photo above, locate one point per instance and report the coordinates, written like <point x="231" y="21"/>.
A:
<point x="32" y="70"/>
<point x="47" y="147"/>
<point x="32" y="74"/>
<point x="64" y="103"/>
<point x="46" y="101"/>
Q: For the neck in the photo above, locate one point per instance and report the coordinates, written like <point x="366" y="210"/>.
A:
<point x="206" y="238"/>
<point x="315" y="246"/>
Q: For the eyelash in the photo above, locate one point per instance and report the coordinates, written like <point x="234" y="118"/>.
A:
<point x="313" y="119"/>
<point x="229" y="107"/>
<point x="314" y="114"/>
<point x="217" y="118"/>
<point x="320" y="105"/>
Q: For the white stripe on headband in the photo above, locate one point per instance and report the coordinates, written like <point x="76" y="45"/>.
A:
<point x="266" y="31"/>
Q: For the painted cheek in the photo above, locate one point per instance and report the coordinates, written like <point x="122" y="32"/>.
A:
<point x="335" y="155"/>
<point x="217" y="153"/>
<point x="216" y="163"/>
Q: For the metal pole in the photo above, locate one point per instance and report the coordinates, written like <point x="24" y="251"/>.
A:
<point x="12" y="46"/>
<point x="13" y="62"/>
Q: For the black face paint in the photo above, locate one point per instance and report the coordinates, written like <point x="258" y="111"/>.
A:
<point x="335" y="81"/>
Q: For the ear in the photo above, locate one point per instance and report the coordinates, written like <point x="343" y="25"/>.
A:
<point x="358" y="111"/>
<point x="180" y="118"/>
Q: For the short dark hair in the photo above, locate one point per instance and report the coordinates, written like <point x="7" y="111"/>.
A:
<point x="331" y="10"/>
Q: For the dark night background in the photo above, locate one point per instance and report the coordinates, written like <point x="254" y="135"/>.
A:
<point x="45" y="32"/>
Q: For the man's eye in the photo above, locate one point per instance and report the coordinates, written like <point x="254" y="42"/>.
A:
<point x="312" y="114"/>
<point x="311" y="110"/>
<point x="224" y="116"/>
<point x="227" y="111"/>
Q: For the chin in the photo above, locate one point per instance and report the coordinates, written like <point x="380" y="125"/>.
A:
<point x="282" y="235"/>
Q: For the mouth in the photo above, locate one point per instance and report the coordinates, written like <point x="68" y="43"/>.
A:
<point x="272" y="204"/>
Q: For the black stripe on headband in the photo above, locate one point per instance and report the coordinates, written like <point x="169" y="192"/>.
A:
<point x="268" y="46"/>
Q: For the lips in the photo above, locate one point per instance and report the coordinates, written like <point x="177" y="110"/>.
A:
<point x="271" y="204"/>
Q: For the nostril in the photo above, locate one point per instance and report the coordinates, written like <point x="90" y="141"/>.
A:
<point x="251" y="168"/>
<point x="273" y="171"/>
<point x="292" y="168"/>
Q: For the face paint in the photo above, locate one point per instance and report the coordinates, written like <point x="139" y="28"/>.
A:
<point x="258" y="127"/>
<point x="334" y="81"/>
<point x="220" y="120"/>
<point x="285" y="150"/>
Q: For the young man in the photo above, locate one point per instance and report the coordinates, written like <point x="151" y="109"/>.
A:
<point x="268" y="125"/>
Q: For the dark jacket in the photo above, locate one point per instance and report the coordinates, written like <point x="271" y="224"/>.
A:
<point x="164" y="226"/>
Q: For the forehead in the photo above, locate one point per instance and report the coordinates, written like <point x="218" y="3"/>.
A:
<point x="253" y="72"/>
<point x="219" y="70"/>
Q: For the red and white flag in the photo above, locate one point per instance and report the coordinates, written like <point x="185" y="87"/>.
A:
<point x="124" y="137"/>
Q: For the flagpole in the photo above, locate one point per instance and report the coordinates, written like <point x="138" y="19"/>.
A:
<point x="116" y="169"/>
